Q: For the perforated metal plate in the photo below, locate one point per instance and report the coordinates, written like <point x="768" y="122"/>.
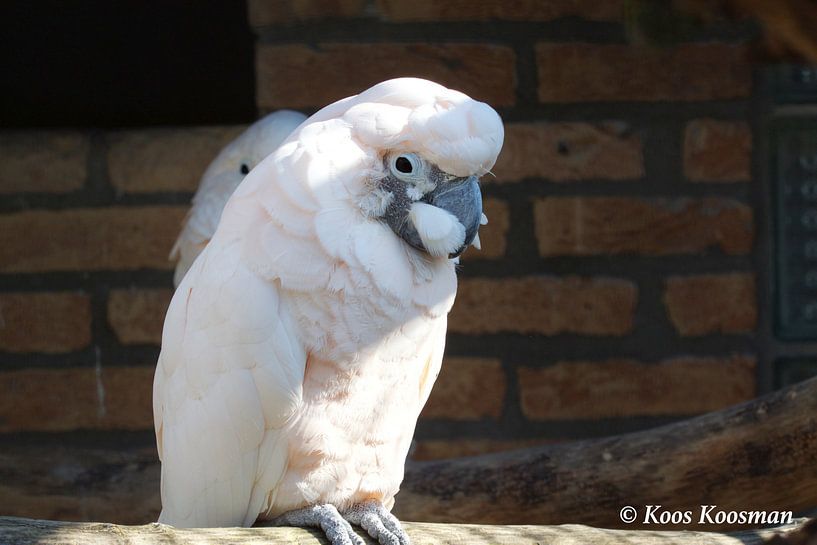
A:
<point x="795" y="84"/>
<point x="794" y="178"/>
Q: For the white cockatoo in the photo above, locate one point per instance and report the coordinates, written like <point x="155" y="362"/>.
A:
<point x="302" y="344"/>
<point x="221" y="178"/>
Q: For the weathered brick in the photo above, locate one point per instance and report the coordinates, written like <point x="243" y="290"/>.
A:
<point x="54" y="162"/>
<point x="137" y="315"/>
<point x="712" y="303"/>
<point x="438" y="449"/>
<point x="78" y="398"/>
<point x="621" y="388"/>
<point x="619" y="225"/>
<point x="299" y="76"/>
<point x="44" y="322"/>
<point x="164" y="159"/>
<point x="545" y="305"/>
<point x="492" y="237"/>
<point x="582" y="72"/>
<point x="271" y="12"/>
<point x="564" y="152"/>
<point x="467" y="389"/>
<point x="717" y="151"/>
<point x="116" y="238"/>
<point x="488" y="10"/>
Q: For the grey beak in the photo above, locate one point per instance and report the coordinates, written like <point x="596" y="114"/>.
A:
<point x="461" y="197"/>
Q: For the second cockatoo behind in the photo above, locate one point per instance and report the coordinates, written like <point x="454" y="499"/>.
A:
<point x="221" y="179"/>
<point x="302" y="344"/>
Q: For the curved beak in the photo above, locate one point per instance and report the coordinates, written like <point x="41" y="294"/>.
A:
<point x="462" y="198"/>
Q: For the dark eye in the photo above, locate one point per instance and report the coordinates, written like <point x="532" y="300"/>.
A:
<point x="244" y="168"/>
<point x="402" y="164"/>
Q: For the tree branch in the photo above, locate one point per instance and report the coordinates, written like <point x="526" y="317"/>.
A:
<point x="759" y="455"/>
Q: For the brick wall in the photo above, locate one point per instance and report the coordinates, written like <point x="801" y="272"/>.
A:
<point x="617" y="287"/>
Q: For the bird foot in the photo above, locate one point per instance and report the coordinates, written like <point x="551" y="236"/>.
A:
<point x="378" y="523"/>
<point x="369" y="515"/>
<point x="326" y="517"/>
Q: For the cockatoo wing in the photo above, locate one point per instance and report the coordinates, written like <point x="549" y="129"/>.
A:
<point x="229" y="377"/>
<point x="222" y="177"/>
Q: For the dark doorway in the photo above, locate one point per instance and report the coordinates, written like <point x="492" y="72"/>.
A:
<point x="125" y="63"/>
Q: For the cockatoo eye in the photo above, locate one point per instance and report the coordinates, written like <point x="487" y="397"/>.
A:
<point x="244" y="168"/>
<point x="405" y="165"/>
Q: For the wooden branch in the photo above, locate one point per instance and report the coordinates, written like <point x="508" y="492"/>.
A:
<point x="20" y="531"/>
<point x="760" y="455"/>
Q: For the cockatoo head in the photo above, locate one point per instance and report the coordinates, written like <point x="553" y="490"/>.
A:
<point x="378" y="180"/>
<point x="241" y="155"/>
<point x="407" y="153"/>
<point x="433" y="144"/>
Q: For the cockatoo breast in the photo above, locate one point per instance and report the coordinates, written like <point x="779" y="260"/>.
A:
<point x="363" y="391"/>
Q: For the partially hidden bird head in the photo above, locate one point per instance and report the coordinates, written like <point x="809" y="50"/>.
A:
<point x="238" y="158"/>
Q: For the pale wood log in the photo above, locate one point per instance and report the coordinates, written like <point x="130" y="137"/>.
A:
<point x="21" y="531"/>
<point x="760" y="455"/>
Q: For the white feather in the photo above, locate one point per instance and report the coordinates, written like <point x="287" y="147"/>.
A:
<point x="440" y="230"/>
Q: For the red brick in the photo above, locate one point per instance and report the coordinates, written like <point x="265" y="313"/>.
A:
<point x="581" y="72"/>
<point x="467" y="389"/>
<point x="164" y="159"/>
<point x="544" y="305"/>
<point x="493" y="237"/>
<point x="137" y="315"/>
<point x="270" y="12"/>
<point x="117" y="238"/>
<point x="490" y="10"/>
<point x="456" y="448"/>
<point x="81" y="398"/>
<point x="622" y="388"/>
<point x="566" y="152"/>
<point x="712" y="303"/>
<point x="619" y="225"/>
<point x="299" y="76"/>
<point x="44" y="322"/>
<point x="717" y="151"/>
<point x="42" y="161"/>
